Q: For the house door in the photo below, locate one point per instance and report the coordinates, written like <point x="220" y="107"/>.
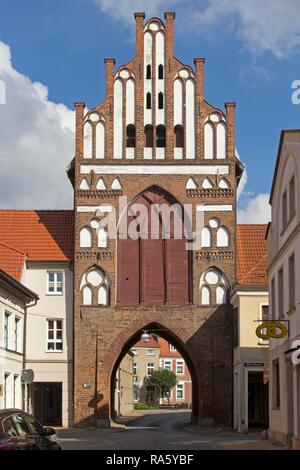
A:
<point x="48" y="403"/>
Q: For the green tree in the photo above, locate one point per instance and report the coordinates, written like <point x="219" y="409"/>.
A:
<point x="164" y="380"/>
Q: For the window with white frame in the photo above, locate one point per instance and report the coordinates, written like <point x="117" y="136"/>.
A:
<point x="150" y="368"/>
<point x="6" y="330"/>
<point x="18" y="333"/>
<point x="167" y="364"/>
<point x="172" y="349"/>
<point x="54" y="335"/>
<point x="150" y="352"/>
<point x="179" y="367"/>
<point x="55" y="282"/>
<point x="7" y="390"/>
<point x="16" y="391"/>
<point x="264" y="316"/>
<point x="134" y="368"/>
<point x="179" y="392"/>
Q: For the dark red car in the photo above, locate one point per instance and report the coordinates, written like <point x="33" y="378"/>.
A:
<point x="20" y="431"/>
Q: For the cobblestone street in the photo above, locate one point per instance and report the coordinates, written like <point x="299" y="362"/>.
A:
<point x="161" y="431"/>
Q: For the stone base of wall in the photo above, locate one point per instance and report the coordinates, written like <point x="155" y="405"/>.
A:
<point x="296" y="443"/>
<point x="285" y="439"/>
<point x="103" y="423"/>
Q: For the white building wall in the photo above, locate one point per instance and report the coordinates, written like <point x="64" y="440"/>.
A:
<point x="285" y="419"/>
<point x="11" y="358"/>
<point x="148" y="45"/>
<point x="51" y="366"/>
<point x="190" y="119"/>
<point x="118" y="119"/>
<point x="160" y="84"/>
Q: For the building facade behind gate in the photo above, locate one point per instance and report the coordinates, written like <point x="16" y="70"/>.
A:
<point x="156" y="141"/>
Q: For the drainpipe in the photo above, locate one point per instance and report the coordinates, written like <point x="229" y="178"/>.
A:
<point x="26" y="395"/>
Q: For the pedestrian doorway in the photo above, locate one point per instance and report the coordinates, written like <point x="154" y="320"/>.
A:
<point x="258" y="401"/>
<point x="47" y="403"/>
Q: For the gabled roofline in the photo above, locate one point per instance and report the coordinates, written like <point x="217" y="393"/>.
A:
<point x="12" y="282"/>
<point x="282" y="135"/>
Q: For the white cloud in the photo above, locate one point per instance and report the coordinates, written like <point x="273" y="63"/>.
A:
<point x="123" y="9"/>
<point x="263" y="25"/>
<point x="257" y="211"/>
<point x="37" y="143"/>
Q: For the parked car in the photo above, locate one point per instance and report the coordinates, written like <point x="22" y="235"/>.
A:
<point x="21" y="431"/>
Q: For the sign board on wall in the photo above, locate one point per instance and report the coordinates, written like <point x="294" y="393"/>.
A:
<point x="254" y="364"/>
<point x="266" y="376"/>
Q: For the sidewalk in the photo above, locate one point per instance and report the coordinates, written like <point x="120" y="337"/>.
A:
<point x="233" y="440"/>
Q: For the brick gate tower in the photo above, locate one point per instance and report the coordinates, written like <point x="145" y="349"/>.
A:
<point x="157" y="142"/>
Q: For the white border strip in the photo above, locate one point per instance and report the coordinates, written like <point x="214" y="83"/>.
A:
<point x="94" y="208"/>
<point x="155" y="169"/>
<point x="216" y="207"/>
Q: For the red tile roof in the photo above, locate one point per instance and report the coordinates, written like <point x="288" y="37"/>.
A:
<point x="41" y="235"/>
<point x="165" y="349"/>
<point x="12" y="261"/>
<point x="252" y="254"/>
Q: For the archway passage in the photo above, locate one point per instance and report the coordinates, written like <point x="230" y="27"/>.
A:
<point x="163" y="351"/>
<point x="154" y="265"/>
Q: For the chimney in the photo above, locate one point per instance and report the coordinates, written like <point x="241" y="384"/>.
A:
<point x="170" y="17"/>
<point x="109" y="63"/>
<point x="79" y="115"/>
<point x="139" y="28"/>
<point x="199" y="67"/>
<point x="230" y="116"/>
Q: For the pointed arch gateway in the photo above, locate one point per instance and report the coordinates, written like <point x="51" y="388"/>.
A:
<point x="153" y="264"/>
<point x="175" y="335"/>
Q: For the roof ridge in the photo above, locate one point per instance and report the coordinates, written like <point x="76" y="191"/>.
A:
<point x="37" y="210"/>
<point x="253" y="267"/>
<point x="10" y="247"/>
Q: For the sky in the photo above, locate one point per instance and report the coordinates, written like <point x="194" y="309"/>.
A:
<point x="51" y="55"/>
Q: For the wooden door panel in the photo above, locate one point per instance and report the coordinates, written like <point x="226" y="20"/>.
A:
<point x="152" y="272"/>
<point x="177" y="272"/>
<point x="128" y="273"/>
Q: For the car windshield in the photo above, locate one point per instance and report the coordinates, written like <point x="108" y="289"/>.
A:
<point x="34" y="427"/>
<point x="20" y="425"/>
<point x="9" y="428"/>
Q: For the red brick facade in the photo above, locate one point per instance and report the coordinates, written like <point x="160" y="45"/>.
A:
<point x="201" y="333"/>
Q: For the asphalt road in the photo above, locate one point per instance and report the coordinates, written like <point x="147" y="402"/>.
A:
<point x="158" y="431"/>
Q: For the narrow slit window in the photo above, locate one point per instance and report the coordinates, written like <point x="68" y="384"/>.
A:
<point x="149" y="136"/>
<point x="130" y="136"/>
<point x="148" y="101"/>
<point x="179" y="136"/>
<point x="160" y="136"/>
<point x="160" y="72"/>
<point x="148" y="72"/>
<point x="160" y="100"/>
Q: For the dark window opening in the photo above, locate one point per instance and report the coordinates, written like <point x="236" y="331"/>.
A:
<point x="160" y="136"/>
<point x="160" y="100"/>
<point x="160" y="72"/>
<point x="149" y="136"/>
<point x="148" y="72"/>
<point x="179" y="136"/>
<point x="130" y="136"/>
<point x="148" y="101"/>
